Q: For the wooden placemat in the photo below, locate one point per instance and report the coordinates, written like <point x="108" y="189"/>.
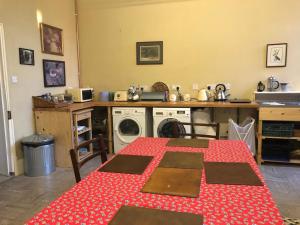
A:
<point x="130" y="215"/>
<point x="182" y="142"/>
<point x="132" y="164"/>
<point x="231" y="174"/>
<point x="183" y="160"/>
<point x="174" y="181"/>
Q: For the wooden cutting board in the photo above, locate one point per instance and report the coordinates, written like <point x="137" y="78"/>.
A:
<point x="132" y="164"/>
<point x="130" y="215"/>
<point x="193" y="143"/>
<point x="183" y="160"/>
<point x="174" y="181"/>
<point x="231" y="174"/>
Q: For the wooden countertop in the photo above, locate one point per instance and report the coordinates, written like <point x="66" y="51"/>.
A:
<point x="192" y="104"/>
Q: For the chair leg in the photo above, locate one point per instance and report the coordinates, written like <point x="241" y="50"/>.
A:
<point x="75" y="165"/>
<point x="103" y="153"/>
<point x="218" y="131"/>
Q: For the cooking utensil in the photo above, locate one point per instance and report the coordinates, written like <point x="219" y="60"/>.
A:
<point x="220" y="94"/>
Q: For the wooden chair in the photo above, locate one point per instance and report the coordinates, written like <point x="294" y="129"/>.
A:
<point x="177" y="131"/>
<point x="78" y="164"/>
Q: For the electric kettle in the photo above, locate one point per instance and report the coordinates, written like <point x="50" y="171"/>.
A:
<point x="202" y="95"/>
<point x="220" y="94"/>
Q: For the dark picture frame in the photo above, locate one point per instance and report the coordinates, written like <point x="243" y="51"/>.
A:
<point x="26" y="56"/>
<point x="51" y="39"/>
<point x="149" y="53"/>
<point x="54" y="73"/>
<point x="277" y="55"/>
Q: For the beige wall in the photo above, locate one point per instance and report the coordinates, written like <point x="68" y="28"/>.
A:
<point x="205" y="41"/>
<point x="21" y="30"/>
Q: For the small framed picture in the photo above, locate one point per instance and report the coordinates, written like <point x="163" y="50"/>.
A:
<point x="277" y="55"/>
<point x="26" y="56"/>
<point x="54" y="73"/>
<point x="149" y="53"/>
<point x="51" y="39"/>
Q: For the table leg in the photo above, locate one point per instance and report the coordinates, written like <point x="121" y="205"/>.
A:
<point x="110" y="129"/>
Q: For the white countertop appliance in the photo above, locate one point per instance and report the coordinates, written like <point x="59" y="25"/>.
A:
<point x="165" y="118"/>
<point x="129" y="123"/>
<point x="81" y="94"/>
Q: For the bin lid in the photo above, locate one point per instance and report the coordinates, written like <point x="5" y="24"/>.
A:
<point x="36" y="140"/>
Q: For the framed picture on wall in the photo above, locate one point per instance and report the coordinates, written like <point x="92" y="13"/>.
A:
<point x="26" y="56"/>
<point x="277" y="55"/>
<point x="54" y="73"/>
<point x="51" y="39"/>
<point x="149" y="53"/>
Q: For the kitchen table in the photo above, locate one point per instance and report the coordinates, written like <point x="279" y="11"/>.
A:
<point x="97" y="198"/>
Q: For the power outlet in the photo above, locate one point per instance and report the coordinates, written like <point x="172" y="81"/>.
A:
<point x="175" y="86"/>
<point x="145" y="87"/>
<point x="212" y="86"/>
<point x="228" y="86"/>
<point x="195" y="86"/>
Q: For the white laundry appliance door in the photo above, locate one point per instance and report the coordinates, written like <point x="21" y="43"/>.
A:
<point x="126" y="131"/>
<point x="168" y="128"/>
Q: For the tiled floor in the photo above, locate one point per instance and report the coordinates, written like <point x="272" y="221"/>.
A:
<point x="21" y="197"/>
<point x="3" y="178"/>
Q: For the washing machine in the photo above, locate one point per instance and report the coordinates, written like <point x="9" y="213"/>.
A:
<point x="129" y="124"/>
<point x="164" y="119"/>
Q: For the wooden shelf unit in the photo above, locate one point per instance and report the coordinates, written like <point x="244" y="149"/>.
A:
<point x="83" y="117"/>
<point x="275" y="114"/>
<point x="63" y="126"/>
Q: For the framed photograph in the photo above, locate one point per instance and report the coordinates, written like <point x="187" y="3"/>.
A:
<point x="277" y="55"/>
<point x="26" y="56"/>
<point x="149" y="53"/>
<point x="51" y="39"/>
<point x="54" y="73"/>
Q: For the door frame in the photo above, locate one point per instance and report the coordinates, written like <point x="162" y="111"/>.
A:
<point x="8" y="123"/>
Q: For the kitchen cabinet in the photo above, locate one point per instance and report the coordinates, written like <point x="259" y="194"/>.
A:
<point x="277" y="114"/>
<point x="63" y="125"/>
<point x="82" y="128"/>
<point x="60" y="121"/>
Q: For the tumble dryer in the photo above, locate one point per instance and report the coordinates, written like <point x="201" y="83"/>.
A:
<point x="164" y="119"/>
<point x="129" y="124"/>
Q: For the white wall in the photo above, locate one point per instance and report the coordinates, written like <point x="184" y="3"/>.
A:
<point x="21" y="30"/>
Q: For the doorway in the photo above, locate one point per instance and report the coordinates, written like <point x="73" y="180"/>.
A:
<point x="5" y="145"/>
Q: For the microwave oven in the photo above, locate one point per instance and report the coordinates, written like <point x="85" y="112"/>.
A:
<point x="81" y="94"/>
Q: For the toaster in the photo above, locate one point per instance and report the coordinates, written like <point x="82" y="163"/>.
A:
<point x="121" y="96"/>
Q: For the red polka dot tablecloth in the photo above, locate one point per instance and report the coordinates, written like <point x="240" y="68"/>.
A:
<point x="97" y="198"/>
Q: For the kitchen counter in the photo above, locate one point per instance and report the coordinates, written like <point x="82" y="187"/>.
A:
<point x="62" y="117"/>
<point x="191" y="104"/>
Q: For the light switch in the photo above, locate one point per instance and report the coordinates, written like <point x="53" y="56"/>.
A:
<point x="14" y="79"/>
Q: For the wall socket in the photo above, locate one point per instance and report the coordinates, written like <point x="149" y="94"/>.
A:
<point x="145" y="87"/>
<point x="175" y="86"/>
<point x="213" y="86"/>
<point x="195" y="86"/>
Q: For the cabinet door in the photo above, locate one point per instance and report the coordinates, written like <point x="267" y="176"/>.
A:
<point x="58" y="124"/>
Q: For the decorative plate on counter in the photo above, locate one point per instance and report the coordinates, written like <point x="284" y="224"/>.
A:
<point x="160" y="87"/>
